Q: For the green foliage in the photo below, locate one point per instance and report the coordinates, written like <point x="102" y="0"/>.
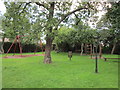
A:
<point x="63" y="34"/>
<point x="113" y="15"/>
<point x="64" y="37"/>
<point x="69" y="38"/>
<point x="20" y="16"/>
<point x="1" y="18"/>
<point x="109" y="25"/>
<point x="16" y="21"/>
<point x="22" y="19"/>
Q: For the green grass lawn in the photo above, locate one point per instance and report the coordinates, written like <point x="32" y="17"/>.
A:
<point x="30" y="72"/>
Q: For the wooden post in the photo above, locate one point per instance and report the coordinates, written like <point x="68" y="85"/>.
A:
<point x="91" y="50"/>
<point x="86" y="49"/>
<point x="20" y="46"/>
<point x="100" y="50"/>
<point x="17" y="39"/>
<point x="70" y="54"/>
<point x="96" y="61"/>
<point x="105" y="59"/>
<point x="15" y="48"/>
<point x="10" y="47"/>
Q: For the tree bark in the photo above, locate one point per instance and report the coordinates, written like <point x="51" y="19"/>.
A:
<point x="47" y="58"/>
<point x="2" y="44"/>
<point x="69" y="13"/>
<point x="113" y="49"/>
<point x="49" y="38"/>
<point x="82" y="45"/>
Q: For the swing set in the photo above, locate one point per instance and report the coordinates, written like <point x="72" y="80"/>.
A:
<point x="17" y="40"/>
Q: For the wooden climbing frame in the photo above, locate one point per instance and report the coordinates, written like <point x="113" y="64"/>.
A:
<point x="16" y="40"/>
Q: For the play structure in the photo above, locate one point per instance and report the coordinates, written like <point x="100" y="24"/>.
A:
<point x="17" y="40"/>
<point x="89" y="50"/>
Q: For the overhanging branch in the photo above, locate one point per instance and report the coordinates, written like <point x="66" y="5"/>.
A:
<point x="66" y="15"/>
<point x="24" y="7"/>
<point x="77" y="18"/>
<point x="42" y="5"/>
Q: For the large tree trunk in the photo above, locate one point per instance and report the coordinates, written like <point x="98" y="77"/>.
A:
<point x="82" y="45"/>
<point x="49" y="38"/>
<point x="47" y="58"/>
<point x="1" y="46"/>
<point x="113" y="49"/>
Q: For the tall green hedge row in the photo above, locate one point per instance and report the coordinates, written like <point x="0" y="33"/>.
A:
<point x="25" y="47"/>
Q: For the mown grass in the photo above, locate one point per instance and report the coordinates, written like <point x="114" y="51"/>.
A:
<point x="30" y="72"/>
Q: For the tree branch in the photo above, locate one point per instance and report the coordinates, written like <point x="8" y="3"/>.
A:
<point x="77" y="18"/>
<point x="24" y="7"/>
<point x="41" y="5"/>
<point x="19" y="6"/>
<point x="66" y="15"/>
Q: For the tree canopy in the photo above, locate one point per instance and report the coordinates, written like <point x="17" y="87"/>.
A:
<point x="34" y="18"/>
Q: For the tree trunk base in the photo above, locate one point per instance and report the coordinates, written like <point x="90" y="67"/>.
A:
<point x="47" y="60"/>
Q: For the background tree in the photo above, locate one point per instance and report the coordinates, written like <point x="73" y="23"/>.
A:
<point x="54" y="13"/>
<point x="1" y="33"/>
<point x="15" y="22"/>
<point x="113" y="15"/>
<point x="110" y="27"/>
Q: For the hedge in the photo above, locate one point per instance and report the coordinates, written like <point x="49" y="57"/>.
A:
<point x="25" y="47"/>
<point x="61" y="47"/>
<point x="64" y="47"/>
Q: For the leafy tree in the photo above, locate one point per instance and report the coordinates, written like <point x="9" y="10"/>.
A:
<point x="113" y="16"/>
<point x="1" y="33"/>
<point x="54" y="13"/>
<point x="65" y="38"/>
<point x="69" y="38"/>
<point x="15" y="23"/>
